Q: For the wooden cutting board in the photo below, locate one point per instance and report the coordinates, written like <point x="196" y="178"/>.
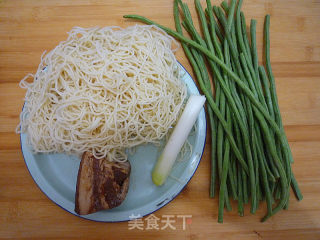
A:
<point x="29" y="27"/>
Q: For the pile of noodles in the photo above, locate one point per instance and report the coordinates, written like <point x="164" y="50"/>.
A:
<point x="103" y="90"/>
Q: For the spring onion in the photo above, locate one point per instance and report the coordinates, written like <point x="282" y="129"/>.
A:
<point x="178" y="137"/>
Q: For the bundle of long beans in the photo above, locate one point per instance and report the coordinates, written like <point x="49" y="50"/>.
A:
<point x="250" y="154"/>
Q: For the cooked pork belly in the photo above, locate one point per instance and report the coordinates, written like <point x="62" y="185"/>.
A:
<point x="101" y="184"/>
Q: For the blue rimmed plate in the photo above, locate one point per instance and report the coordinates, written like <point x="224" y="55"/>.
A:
<point x="56" y="174"/>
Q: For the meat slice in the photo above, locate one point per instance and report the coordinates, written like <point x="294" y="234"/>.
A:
<point x="101" y="184"/>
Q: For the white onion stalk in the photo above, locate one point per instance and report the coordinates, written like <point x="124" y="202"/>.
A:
<point x="177" y="139"/>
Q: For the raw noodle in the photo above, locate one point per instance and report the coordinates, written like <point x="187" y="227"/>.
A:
<point x="103" y="90"/>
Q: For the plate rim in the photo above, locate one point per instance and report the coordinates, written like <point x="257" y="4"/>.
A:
<point x="139" y="216"/>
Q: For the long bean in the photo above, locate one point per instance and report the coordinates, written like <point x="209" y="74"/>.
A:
<point x="271" y="176"/>
<point x="265" y="183"/>
<point x="287" y="152"/>
<point x="212" y="24"/>
<point x="254" y="54"/>
<point x="245" y="36"/>
<point x="202" y="86"/>
<point x="269" y="71"/>
<point x="240" y="192"/>
<point x="233" y="76"/>
<point x="295" y="187"/>
<point x="199" y="60"/>
<point x="225" y="6"/>
<point x="229" y="97"/>
<point x="223" y="182"/>
<point x="213" y="171"/>
<point x="244" y="107"/>
<point x="215" y="25"/>
<point x="234" y="54"/>
<point x="225" y="164"/>
<point x="233" y="180"/>
<point x="204" y="74"/>
<point x="231" y="14"/>
<point x="252" y="59"/>
<point x="223" y="160"/>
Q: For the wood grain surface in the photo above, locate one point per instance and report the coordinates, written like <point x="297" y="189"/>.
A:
<point x="29" y="27"/>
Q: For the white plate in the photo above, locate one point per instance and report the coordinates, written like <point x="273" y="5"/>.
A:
<point x="56" y="174"/>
